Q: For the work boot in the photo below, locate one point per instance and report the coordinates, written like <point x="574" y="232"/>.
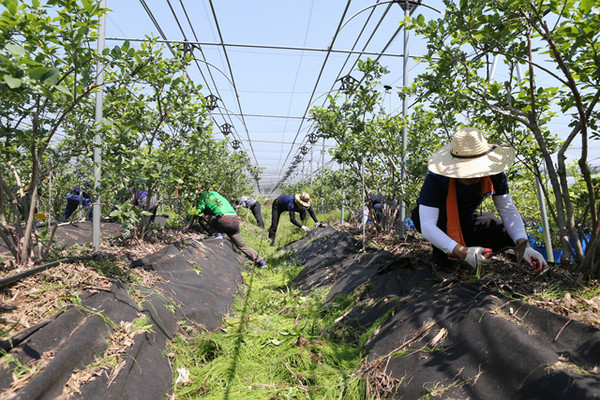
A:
<point x="262" y="264"/>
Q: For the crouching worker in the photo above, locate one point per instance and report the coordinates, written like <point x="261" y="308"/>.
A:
<point x="254" y="206"/>
<point x="297" y="203"/>
<point x="140" y="199"/>
<point x="76" y="198"/>
<point x="461" y="174"/>
<point x="217" y="215"/>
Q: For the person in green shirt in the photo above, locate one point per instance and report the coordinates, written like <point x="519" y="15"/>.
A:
<point x="218" y="215"/>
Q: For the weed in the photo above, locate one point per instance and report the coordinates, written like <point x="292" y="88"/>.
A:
<point x="274" y="346"/>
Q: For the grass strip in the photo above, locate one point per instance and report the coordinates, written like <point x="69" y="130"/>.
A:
<point x="279" y="343"/>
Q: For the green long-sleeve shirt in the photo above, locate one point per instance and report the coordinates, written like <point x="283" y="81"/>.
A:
<point x="212" y="203"/>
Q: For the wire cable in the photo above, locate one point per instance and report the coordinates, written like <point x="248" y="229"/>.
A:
<point x="337" y="31"/>
<point x="237" y="95"/>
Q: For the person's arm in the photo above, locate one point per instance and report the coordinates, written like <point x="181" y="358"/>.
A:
<point x="201" y="205"/>
<point x="430" y="231"/>
<point x="513" y="223"/>
<point x="293" y="219"/>
<point x="312" y="214"/>
<point x="474" y="256"/>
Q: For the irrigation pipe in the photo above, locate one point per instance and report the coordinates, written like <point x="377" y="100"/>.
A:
<point x="12" y="279"/>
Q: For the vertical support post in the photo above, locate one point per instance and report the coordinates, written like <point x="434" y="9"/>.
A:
<point x="97" y="208"/>
<point x="402" y="204"/>
<point x="545" y="225"/>
<point x="322" y="168"/>
<point x="312" y="148"/>
<point x="49" y="216"/>
<point x="364" y="222"/>
<point x="343" y="194"/>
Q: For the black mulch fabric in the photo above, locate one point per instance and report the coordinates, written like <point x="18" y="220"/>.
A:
<point x="436" y="338"/>
<point x="449" y="340"/>
<point x="200" y="279"/>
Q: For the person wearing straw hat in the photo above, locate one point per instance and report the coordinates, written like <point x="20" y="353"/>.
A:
<point x="461" y="175"/>
<point x="292" y="203"/>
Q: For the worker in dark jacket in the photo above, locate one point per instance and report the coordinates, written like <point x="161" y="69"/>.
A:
<point x="254" y="206"/>
<point x="217" y="215"/>
<point x="75" y="198"/>
<point x="293" y="203"/>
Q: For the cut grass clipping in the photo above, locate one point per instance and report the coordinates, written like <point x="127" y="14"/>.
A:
<point x="279" y="345"/>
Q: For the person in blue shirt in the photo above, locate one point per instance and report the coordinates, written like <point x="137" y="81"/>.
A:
<point x="75" y="197"/>
<point x="292" y="203"/>
<point x="254" y="206"/>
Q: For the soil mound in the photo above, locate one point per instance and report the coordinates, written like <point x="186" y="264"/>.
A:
<point x="439" y="337"/>
<point x="112" y="343"/>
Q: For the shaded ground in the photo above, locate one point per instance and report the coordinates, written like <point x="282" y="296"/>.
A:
<point x="439" y="334"/>
<point x="99" y="331"/>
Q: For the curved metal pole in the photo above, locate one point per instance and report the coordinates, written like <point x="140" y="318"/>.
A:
<point x="215" y="67"/>
<point x="386" y="2"/>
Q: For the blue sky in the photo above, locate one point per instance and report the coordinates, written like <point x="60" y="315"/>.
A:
<point x="274" y="87"/>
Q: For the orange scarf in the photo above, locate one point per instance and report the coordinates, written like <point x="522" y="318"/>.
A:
<point x="453" y="221"/>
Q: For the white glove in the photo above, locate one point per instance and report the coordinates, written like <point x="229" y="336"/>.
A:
<point x="475" y="256"/>
<point x="535" y="260"/>
<point x="305" y="228"/>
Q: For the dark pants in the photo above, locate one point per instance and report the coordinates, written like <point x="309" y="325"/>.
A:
<point x="73" y="204"/>
<point x="230" y="224"/>
<point x="275" y="213"/>
<point x="482" y="229"/>
<point x="378" y="208"/>
<point x="255" y="208"/>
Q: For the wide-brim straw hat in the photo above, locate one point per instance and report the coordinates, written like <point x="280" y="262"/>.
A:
<point x="469" y="155"/>
<point x="303" y="199"/>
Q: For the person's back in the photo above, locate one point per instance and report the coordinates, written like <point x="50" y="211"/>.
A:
<point x="213" y="203"/>
<point x="291" y="203"/>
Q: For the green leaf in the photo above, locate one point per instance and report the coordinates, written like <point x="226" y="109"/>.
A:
<point x="115" y="213"/>
<point x="63" y="89"/>
<point x="37" y="73"/>
<point x="87" y="5"/>
<point x="15" y="50"/>
<point x="12" y="6"/>
<point x="586" y="5"/>
<point x="51" y="76"/>
<point x="12" y="83"/>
